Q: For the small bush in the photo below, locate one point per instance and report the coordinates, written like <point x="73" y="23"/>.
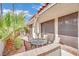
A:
<point x="18" y="43"/>
<point x="0" y="36"/>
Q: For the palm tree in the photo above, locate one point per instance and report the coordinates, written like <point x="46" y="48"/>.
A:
<point x="13" y="20"/>
<point x="4" y="20"/>
<point x="1" y="23"/>
<point x="0" y="9"/>
<point x="7" y="21"/>
<point x="0" y="15"/>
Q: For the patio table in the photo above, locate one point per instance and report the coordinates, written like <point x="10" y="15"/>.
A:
<point x="38" y="42"/>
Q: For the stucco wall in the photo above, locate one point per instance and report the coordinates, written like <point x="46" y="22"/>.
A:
<point x="78" y="30"/>
<point x="58" y="10"/>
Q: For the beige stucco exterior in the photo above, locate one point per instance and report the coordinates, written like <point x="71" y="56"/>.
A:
<point x="78" y="30"/>
<point x="58" y="10"/>
<point x="55" y="11"/>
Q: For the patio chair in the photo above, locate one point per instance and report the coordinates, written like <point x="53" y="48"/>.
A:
<point x="57" y="40"/>
<point x="49" y="37"/>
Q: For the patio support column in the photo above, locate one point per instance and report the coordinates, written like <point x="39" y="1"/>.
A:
<point x="56" y="30"/>
<point x="33" y="28"/>
<point x="78" y="30"/>
<point x="39" y="29"/>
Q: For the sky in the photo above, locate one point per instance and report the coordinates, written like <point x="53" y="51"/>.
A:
<point x="29" y="8"/>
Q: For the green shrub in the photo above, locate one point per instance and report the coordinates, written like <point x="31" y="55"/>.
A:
<point x="0" y="36"/>
<point x="18" y="43"/>
<point x="26" y="29"/>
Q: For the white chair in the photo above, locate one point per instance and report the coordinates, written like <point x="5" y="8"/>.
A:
<point x="49" y="38"/>
<point x="57" y="40"/>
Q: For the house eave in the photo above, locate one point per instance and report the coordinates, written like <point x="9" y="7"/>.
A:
<point x="41" y="11"/>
